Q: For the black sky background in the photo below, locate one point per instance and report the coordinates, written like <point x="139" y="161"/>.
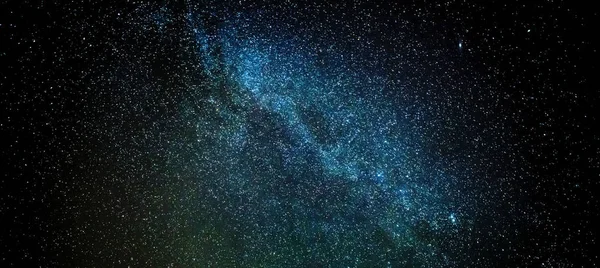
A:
<point x="543" y="55"/>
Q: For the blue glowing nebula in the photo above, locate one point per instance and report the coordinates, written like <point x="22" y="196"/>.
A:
<point x="320" y="148"/>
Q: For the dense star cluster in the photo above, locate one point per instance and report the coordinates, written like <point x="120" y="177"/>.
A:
<point x="293" y="134"/>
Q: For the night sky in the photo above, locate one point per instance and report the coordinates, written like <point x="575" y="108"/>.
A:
<point x="297" y="134"/>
